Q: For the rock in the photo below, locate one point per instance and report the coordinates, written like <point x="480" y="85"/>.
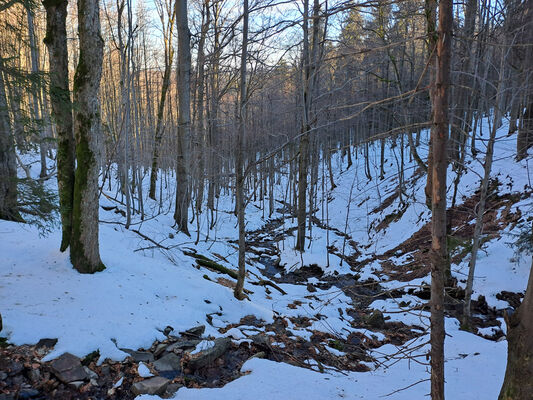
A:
<point x="3" y="376"/>
<point x="167" y="330"/>
<point x="311" y="288"/>
<point x="14" y="368"/>
<point x="261" y="340"/>
<point x="184" y="344"/>
<point x="144" y="371"/>
<point x="68" y="368"/>
<point x="376" y="320"/>
<point x="7" y="396"/>
<point x="173" y="388"/>
<point x="75" y="384"/>
<point x="46" y="342"/>
<point x="169" y="362"/>
<point x="261" y="354"/>
<point x="90" y="373"/>
<point x="33" y="374"/>
<point x="207" y="356"/>
<point x="156" y="385"/>
<point x="138" y="356"/>
<point x="197" y="331"/>
<point x="28" y="393"/>
<point x="105" y="370"/>
<point x="160" y="348"/>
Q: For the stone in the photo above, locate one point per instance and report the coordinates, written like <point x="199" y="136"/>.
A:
<point x="183" y="345"/>
<point x="75" y="384"/>
<point x="33" y="374"/>
<point x="160" y="348"/>
<point x="261" y="340"/>
<point x="197" y="331"/>
<point x="311" y="288"/>
<point x="3" y="376"/>
<point x="153" y="386"/>
<point x="169" y="362"/>
<point x="138" y="356"/>
<point x="14" y="368"/>
<point x="376" y="320"/>
<point x="173" y="388"/>
<point x="90" y="373"/>
<point x="46" y="342"/>
<point x="68" y="368"/>
<point x="28" y="393"/>
<point x="106" y="369"/>
<point x="206" y="357"/>
<point x="7" y="396"/>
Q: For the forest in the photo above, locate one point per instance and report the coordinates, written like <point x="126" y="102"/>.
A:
<point x="301" y="199"/>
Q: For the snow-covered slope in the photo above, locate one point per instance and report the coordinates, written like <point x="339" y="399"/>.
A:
<point x="147" y="287"/>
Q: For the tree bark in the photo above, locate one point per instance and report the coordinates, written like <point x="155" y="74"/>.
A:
<point x="8" y="166"/>
<point x="84" y="248"/>
<point x="483" y="197"/>
<point x="518" y="381"/>
<point x="184" y="117"/>
<point x="169" y="58"/>
<point x="239" y="177"/>
<point x="431" y="12"/>
<point x="56" y="41"/>
<point x="439" y="253"/>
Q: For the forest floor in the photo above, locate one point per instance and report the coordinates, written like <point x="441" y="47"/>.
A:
<point x="346" y="319"/>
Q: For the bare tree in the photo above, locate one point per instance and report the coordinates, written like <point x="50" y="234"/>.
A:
<point x="439" y="252"/>
<point x="239" y="173"/>
<point x="56" y="40"/>
<point x="184" y="116"/>
<point x="84" y="248"/>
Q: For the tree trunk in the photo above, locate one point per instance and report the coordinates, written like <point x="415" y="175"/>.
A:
<point x="8" y="166"/>
<point x="56" y="40"/>
<point x="518" y="381"/>
<point x="169" y="58"/>
<point x="34" y="56"/>
<point x="239" y="177"/>
<point x="439" y="253"/>
<point x="84" y="248"/>
<point x="184" y="117"/>
<point x="483" y="196"/>
<point x="431" y="12"/>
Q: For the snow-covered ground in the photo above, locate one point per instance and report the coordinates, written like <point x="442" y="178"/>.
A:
<point x="146" y="288"/>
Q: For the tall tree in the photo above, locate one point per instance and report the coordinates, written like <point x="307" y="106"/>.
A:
<point x="239" y="175"/>
<point x="56" y="41"/>
<point x="84" y="248"/>
<point x="184" y="116"/>
<point x="168" y="34"/>
<point x="8" y="167"/>
<point x="518" y="381"/>
<point x="439" y="252"/>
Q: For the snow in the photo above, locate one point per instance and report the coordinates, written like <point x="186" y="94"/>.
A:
<point x="145" y="288"/>
<point x="471" y="374"/>
<point x="144" y="371"/>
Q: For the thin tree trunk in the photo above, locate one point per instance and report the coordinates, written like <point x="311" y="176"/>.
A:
<point x="431" y="13"/>
<point x="169" y="58"/>
<point x="239" y="177"/>
<point x="439" y="252"/>
<point x="84" y="248"/>
<point x="518" y="381"/>
<point x="184" y="117"/>
<point x="483" y="197"/>
<point x="8" y="166"/>
<point x="56" y="40"/>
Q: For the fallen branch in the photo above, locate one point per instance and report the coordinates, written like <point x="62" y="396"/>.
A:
<point x="264" y="282"/>
<point x="206" y="262"/>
